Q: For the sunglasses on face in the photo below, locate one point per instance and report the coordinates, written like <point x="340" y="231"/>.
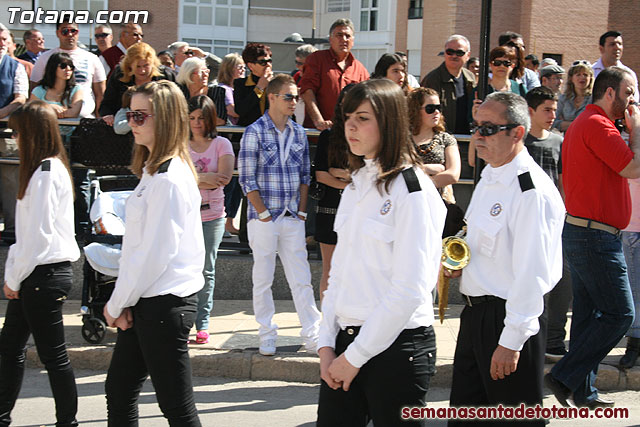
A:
<point x="456" y="52"/>
<point x="138" y="117"/>
<point x="65" y="66"/>
<point x="431" y="108"/>
<point x="264" y="62"/>
<point x="102" y="35"/>
<point x="138" y="35"/>
<point x="489" y="129"/>
<point x="188" y="52"/>
<point x="299" y="64"/>
<point x="67" y="31"/>
<point x="497" y="62"/>
<point x="516" y="45"/>
<point x="581" y="62"/>
<point x="289" y="97"/>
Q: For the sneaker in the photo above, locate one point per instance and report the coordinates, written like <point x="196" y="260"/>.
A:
<point x="311" y="345"/>
<point x="555" y="354"/>
<point x="267" y="347"/>
<point x="202" y="337"/>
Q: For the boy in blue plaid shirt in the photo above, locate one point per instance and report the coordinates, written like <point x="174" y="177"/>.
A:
<point x="274" y="174"/>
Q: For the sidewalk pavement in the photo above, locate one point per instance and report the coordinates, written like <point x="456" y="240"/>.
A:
<point x="232" y="350"/>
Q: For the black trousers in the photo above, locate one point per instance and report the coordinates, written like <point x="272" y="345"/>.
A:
<point x="480" y="329"/>
<point x="39" y="312"/>
<point x="397" y="377"/>
<point x="155" y="346"/>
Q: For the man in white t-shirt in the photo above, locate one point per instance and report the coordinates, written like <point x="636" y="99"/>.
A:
<point x="89" y="72"/>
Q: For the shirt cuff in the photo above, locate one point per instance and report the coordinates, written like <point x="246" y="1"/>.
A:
<point x="13" y="286"/>
<point x="113" y="311"/>
<point x="512" y="339"/>
<point x="248" y="187"/>
<point x="355" y="356"/>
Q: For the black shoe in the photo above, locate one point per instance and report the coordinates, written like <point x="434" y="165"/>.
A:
<point x="600" y="402"/>
<point x="559" y="390"/>
<point x="631" y="354"/>
<point x="555" y="354"/>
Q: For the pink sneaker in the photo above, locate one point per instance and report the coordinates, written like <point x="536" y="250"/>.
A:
<point x="202" y="337"/>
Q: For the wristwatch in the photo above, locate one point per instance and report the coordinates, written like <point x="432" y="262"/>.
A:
<point x="264" y="214"/>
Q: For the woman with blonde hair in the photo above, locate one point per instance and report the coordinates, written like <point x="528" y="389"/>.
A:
<point x="377" y="346"/>
<point x="232" y="68"/>
<point x="38" y="275"/>
<point x="437" y="148"/>
<point x="193" y="80"/>
<point x="154" y="300"/>
<point x="576" y="96"/>
<point x="138" y="66"/>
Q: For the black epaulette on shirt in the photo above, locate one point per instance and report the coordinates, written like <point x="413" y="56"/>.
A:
<point x="526" y="183"/>
<point x="411" y="179"/>
<point x="164" y="167"/>
<point x="46" y="166"/>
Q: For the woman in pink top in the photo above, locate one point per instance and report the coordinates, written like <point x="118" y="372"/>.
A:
<point x="213" y="159"/>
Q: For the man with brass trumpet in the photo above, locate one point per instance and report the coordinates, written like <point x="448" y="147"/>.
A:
<point x="514" y="226"/>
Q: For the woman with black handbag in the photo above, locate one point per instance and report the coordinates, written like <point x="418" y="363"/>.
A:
<point x="331" y="176"/>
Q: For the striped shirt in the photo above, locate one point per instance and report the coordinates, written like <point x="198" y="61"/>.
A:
<point x="261" y="166"/>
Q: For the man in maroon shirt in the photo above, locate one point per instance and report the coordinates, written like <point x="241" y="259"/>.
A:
<point x="326" y="72"/>
<point x="596" y="163"/>
<point x="130" y="34"/>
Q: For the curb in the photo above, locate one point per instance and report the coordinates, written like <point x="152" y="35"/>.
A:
<point x="297" y="367"/>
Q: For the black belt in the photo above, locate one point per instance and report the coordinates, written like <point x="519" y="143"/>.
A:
<point x="355" y="330"/>
<point x="471" y="301"/>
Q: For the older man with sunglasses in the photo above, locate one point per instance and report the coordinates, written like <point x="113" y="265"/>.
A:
<point x="454" y="83"/>
<point x="130" y="34"/>
<point x="89" y="72"/>
<point x="515" y="220"/>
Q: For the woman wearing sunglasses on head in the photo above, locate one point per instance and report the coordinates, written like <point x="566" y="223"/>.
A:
<point x="155" y="297"/>
<point x="38" y="275"/>
<point x="58" y="87"/>
<point x="502" y="62"/>
<point x="437" y="148"/>
<point x="576" y="96"/>
<point x="377" y="344"/>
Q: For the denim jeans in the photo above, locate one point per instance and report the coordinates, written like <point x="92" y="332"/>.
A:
<point x="631" y="248"/>
<point x="39" y="312"/>
<point x="155" y="346"/>
<point x="602" y="306"/>
<point x="397" y="377"/>
<point x="213" y="231"/>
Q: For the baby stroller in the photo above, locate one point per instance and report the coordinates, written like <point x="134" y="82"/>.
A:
<point x="102" y="250"/>
<point x="102" y="191"/>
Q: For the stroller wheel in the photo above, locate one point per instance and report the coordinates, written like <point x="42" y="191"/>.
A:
<point x="94" y="330"/>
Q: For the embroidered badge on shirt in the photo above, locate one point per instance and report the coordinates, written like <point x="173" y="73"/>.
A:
<point x="140" y="192"/>
<point x="386" y="207"/>
<point x="496" y="209"/>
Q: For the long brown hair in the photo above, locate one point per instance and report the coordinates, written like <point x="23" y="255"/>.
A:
<point x="38" y="138"/>
<point x="171" y="128"/>
<point x="415" y="100"/>
<point x="389" y="104"/>
<point x="338" y="146"/>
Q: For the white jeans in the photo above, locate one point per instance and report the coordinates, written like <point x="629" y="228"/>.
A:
<point x="286" y="237"/>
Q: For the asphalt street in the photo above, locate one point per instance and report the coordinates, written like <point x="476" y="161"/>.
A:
<point x="225" y="402"/>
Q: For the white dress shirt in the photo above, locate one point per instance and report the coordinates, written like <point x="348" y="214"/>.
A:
<point x="163" y="245"/>
<point x="599" y="66"/>
<point x="385" y="264"/>
<point x="44" y="224"/>
<point x="516" y="245"/>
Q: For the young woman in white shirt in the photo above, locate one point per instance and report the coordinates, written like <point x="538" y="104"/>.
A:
<point x="38" y="275"/>
<point x="154" y="300"/>
<point x="377" y="345"/>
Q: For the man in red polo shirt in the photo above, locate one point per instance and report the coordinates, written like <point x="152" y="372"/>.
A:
<point x="326" y="72"/>
<point x="596" y="163"/>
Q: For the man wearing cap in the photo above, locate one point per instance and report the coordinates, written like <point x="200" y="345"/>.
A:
<point x="596" y="165"/>
<point x="514" y="228"/>
<point x="552" y="77"/>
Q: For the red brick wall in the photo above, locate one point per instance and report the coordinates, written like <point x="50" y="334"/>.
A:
<point x="402" y="16"/>
<point x="162" y="27"/>
<point x="624" y="16"/>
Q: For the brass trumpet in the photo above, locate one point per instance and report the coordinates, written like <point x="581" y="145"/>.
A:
<point x="455" y="256"/>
